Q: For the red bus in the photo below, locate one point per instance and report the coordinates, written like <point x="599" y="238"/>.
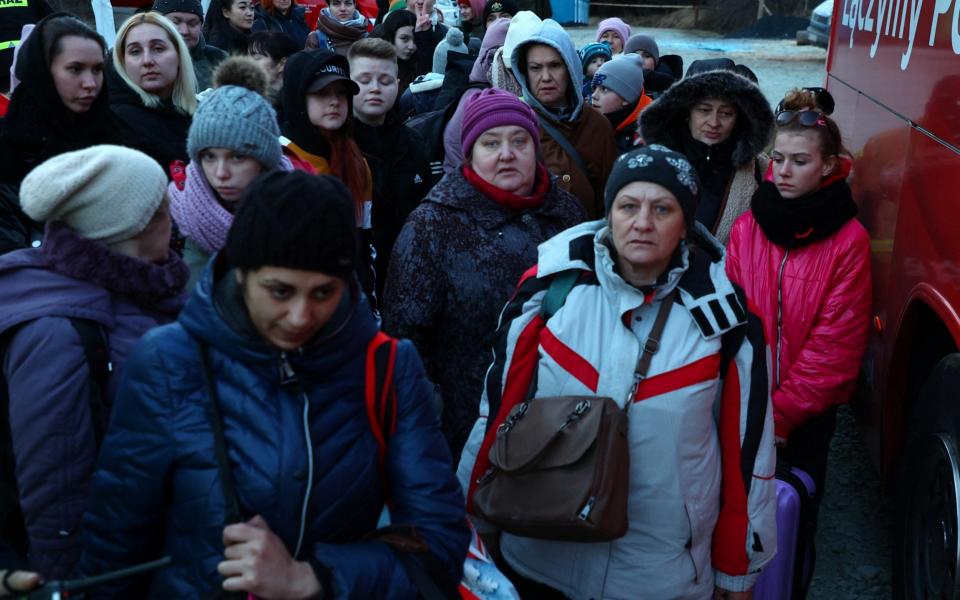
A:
<point x="893" y="67"/>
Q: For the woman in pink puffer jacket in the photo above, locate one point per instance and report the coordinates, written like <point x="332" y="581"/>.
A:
<point x="804" y="263"/>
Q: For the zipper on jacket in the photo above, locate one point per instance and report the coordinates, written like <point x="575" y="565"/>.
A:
<point x="290" y="378"/>
<point x="783" y="264"/>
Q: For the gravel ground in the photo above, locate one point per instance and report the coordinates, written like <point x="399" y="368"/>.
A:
<point x="853" y="539"/>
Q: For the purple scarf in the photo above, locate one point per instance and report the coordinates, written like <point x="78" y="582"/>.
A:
<point x="197" y="212"/>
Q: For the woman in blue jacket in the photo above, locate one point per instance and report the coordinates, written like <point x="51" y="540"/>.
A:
<point x="285" y="331"/>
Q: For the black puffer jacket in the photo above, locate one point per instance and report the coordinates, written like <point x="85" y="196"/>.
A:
<point x="727" y="169"/>
<point x="293" y="23"/>
<point x="160" y="133"/>
<point x="456" y="263"/>
<point x="401" y="178"/>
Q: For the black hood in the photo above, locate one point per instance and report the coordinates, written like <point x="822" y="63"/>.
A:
<point x="299" y="72"/>
<point x="664" y="121"/>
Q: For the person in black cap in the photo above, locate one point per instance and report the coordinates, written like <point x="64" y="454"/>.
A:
<point x="499" y="9"/>
<point x="276" y="337"/>
<point x="187" y="15"/>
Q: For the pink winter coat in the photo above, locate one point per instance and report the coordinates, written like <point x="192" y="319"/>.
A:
<point x="823" y="293"/>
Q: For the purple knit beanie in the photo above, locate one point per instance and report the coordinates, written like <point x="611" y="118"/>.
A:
<point x="495" y="108"/>
<point x="616" y="25"/>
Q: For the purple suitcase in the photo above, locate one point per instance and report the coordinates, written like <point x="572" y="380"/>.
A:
<point x="776" y="579"/>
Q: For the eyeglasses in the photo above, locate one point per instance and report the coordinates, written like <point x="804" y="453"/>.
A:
<point x="807" y="118"/>
<point x="821" y="97"/>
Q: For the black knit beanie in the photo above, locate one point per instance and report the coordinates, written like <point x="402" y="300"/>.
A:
<point x="295" y="221"/>
<point x="656" y="164"/>
<point x="165" y="7"/>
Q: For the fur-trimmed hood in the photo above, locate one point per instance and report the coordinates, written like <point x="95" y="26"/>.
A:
<point x="664" y="121"/>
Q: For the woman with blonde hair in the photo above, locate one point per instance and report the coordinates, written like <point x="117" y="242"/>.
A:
<point x="152" y="87"/>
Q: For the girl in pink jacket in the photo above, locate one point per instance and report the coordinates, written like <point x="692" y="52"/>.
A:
<point x="804" y="263"/>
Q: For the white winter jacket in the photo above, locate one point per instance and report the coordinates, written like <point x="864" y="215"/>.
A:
<point x="702" y="509"/>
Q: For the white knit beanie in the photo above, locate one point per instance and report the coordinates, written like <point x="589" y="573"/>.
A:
<point x="106" y="193"/>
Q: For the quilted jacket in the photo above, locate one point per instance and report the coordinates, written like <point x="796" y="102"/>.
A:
<point x="701" y="506"/>
<point x="157" y="492"/>
<point x="821" y="295"/>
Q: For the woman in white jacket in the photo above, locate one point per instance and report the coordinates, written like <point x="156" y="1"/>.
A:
<point x="701" y="511"/>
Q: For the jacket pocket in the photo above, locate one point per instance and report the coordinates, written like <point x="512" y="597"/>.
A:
<point x="698" y="546"/>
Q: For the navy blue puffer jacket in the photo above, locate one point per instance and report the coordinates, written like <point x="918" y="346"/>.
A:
<point x="156" y="490"/>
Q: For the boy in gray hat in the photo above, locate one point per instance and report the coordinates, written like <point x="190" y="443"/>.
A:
<point x="187" y="15"/>
<point x="618" y="93"/>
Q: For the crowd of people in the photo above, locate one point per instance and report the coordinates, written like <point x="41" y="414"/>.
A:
<point x="272" y="296"/>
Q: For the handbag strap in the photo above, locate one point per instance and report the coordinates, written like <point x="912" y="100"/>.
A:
<point x="650" y="346"/>
<point x="565" y="144"/>
<point x="231" y="505"/>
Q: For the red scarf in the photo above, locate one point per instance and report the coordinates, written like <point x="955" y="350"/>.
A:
<point x="509" y="200"/>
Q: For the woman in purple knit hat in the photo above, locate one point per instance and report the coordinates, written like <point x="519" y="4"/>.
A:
<point x="462" y="251"/>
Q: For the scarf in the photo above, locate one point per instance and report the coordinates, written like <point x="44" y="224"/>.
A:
<point x="801" y="221"/>
<point x="197" y="211"/>
<point x="149" y="285"/>
<point x="339" y="34"/>
<point x="509" y="200"/>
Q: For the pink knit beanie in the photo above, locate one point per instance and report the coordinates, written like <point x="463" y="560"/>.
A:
<point x="495" y="108"/>
<point x="616" y="25"/>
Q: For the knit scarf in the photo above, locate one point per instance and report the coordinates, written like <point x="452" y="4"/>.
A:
<point x="149" y="285"/>
<point x="339" y="34"/>
<point x="197" y="211"/>
<point x="798" y="222"/>
<point x="509" y="200"/>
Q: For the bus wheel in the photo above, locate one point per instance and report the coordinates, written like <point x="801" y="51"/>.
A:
<point x="926" y="548"/>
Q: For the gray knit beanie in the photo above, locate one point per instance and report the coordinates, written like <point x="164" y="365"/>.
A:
<point x="106" y="193"/>
<point x="452" y="43"/>
<point x="638" y="42"/>
<point x="237" y="118"/>
<point x="623" y="75"/>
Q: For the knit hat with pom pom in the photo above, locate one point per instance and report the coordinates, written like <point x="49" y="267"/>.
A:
<point x="235" y="115"/>
<point x="452" y="43"/>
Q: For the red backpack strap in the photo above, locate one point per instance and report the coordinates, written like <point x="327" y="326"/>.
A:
<point x="380" y="391"/>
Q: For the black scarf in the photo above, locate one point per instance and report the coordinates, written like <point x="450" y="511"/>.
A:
<point x="801" y="221"/>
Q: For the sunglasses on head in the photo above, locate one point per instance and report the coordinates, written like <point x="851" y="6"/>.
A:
<point x="822" y="98"/>
<point x="806" y="118"/>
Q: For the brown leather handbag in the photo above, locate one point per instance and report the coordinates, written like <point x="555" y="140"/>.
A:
<point x="561" y="465"/>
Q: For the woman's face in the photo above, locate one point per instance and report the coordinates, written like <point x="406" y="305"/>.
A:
<point x="288" y="306"/>
<point x="150" y="59"/>
<point x="342" y="10"/>
<point x="328" y="109"/>
<point x="614" y="39"/>
<point x="240" y="14"/>
<point x="798" y="163"/>
<point x="77" y="72"/>
<point x="647" y="225"/>
<point x="606" y="100"/>
<point x="712" y="121"/>
<point x="404" y="42"/>
<point x="282" y="6"/>
<point x="229" y="173"/>
<point x="466" y="13"/>
<point x="506" y="157"/>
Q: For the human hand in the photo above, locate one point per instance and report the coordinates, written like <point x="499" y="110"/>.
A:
<point x="14" y="582"/>
<point x="257" y="562"/>
<point x="423" y="19"/>
<point x="722" y="594"/>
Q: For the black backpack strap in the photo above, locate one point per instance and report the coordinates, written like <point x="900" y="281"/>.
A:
<point x="97" y="353"/>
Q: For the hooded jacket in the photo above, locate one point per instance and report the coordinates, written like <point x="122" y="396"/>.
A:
<point x="730" y="171"/>
<point x="205" y="59"/>
<point x="306" y="461"/>
<point x="47" y="374"/>
<point x="160" y="133"/>
<point x="815" y="304"/>
<point x="701" y="505"/>
<point x="588" y="131"/>
<point x="293" y="23"/>
<point x="455" y="263"/>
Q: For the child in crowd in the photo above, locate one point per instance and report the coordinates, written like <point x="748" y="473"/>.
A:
<point x="660" y="72"/>
<point x="615" y="32"/>
<point x="271" y="49"/>
<point x="396" y="153"/>
<point x="618" y="94"/>
<point x="233" y="139"/>
<point x="592" y="56"/>
<point x="340" y="24"/>
<point x="317" y="102"/>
